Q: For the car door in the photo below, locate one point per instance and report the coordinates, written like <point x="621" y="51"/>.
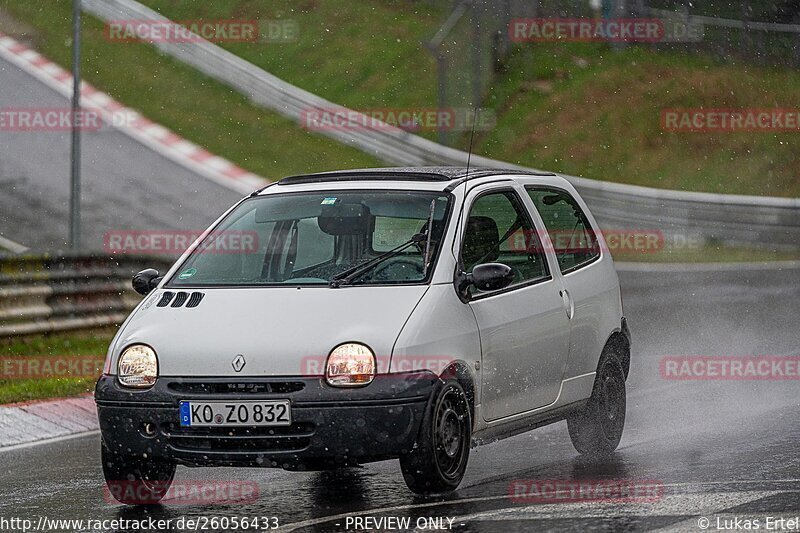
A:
<point x="577" y="249"/>
<point x="524" y="330"/>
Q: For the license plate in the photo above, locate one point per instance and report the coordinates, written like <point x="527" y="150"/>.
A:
<point x="251" y="413"/>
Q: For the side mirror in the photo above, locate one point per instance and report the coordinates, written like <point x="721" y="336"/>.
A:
<point x="145" y="281"/>
<point x="491" y="276"/>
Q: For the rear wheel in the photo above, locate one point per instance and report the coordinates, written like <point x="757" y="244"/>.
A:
<point x="439" y="461"/>
<point x="136" y="481"/>
<point x="597" y="429"/>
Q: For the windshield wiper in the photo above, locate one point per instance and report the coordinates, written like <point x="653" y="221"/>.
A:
<point x="347" y="276"/>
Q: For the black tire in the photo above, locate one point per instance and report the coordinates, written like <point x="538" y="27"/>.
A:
<point x="439" y="460"/>
<point x="597" y="429"/>
<point x="136" y="481"/>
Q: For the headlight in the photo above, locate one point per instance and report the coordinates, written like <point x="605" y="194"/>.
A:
<point x="350" y="365"/>
<point x="138" y="366"/>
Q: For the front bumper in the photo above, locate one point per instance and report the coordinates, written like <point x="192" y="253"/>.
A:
<point x="330" y="426"/>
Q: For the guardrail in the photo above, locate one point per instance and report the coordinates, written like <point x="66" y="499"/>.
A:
<point x="729" y="23"/>
<point x="44" y="294"/>
<point x="750" y="220"/>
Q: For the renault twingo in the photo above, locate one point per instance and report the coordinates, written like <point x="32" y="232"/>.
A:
<point x="375" y="314"/>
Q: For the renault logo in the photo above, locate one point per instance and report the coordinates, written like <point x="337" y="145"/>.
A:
<point x="238" y="363"/>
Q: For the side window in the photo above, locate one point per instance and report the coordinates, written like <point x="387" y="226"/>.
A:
<point x="574" y="240"/>
<point x="498" y="229"/>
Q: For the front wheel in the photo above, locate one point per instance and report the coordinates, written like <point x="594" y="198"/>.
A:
<point x="136" y="481"/>
<point x="597" y="429"/>
<point x="439" y="460"/>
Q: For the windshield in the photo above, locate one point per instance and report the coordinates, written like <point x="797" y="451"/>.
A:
<point x="310" y="238"/>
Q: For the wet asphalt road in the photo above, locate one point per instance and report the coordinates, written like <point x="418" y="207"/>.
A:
<point x="126" y="186"/>
<point x="721" y="449"/>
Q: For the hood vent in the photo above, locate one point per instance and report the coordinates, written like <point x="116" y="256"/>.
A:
<point x="194" y="299"/>
<point x="180" y="298"/>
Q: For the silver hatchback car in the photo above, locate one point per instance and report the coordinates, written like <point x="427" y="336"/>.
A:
<point x="366" y="315"/>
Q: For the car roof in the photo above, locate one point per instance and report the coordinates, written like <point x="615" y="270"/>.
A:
<point x="430" y="174"/>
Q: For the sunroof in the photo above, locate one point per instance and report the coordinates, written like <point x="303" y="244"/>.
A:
<point x="401" y="174"/>
<point x="365" y="175"/>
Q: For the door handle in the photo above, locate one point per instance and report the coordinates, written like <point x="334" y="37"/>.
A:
<point x="566" y="299"/>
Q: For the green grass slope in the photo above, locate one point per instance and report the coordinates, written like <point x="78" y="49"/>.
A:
<point x="584" y="110"/>
<point x="575" y="108"/>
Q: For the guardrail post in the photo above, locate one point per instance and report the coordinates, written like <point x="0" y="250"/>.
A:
<point x="75" y="154"/>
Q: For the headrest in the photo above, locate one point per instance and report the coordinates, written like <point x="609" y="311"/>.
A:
<point x="481" y="242"/>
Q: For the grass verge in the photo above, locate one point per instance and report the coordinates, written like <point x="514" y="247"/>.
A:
<point x="49" y="348"/>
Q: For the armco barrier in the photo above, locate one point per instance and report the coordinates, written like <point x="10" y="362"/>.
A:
<point x="742" y="220"/>
<point x="39" y="294"/>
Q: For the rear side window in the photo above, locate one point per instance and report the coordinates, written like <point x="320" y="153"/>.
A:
<point x="574" y="240"/>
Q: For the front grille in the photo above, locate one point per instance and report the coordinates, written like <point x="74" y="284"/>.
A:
<point x="254" y="440"/>
<point x="212" y="387"/>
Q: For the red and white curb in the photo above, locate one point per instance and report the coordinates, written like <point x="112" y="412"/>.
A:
<point x="130" y="122"/>
<point x="23" y="424"/>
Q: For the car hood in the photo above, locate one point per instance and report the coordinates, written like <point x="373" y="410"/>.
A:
<point x="280" y="331"/>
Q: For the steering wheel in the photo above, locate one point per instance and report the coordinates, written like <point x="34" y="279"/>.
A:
<point x="398" y="269"/>
<point x="517" y="273"/>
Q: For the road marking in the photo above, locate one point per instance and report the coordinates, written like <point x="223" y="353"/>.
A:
<point x="705" y="267"/>
<point x="11" y="246"/>
<point x="49" y="441"/>
<point x="408" y="507"/>
<point x="670" y="505"/>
